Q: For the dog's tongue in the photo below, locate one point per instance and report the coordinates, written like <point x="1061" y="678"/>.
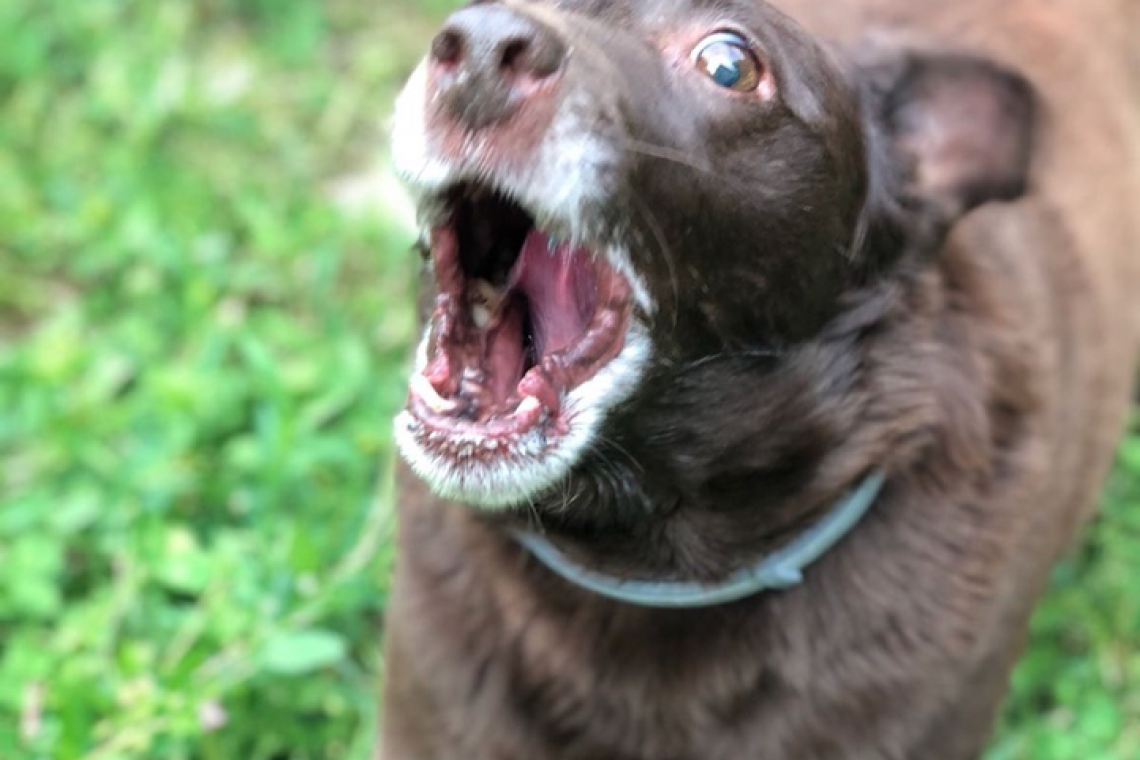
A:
<point x="560" y="286"/>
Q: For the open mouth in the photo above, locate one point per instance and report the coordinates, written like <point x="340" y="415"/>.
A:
<point x="521" y="320"/>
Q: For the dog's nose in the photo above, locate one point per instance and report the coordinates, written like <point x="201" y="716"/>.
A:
<point x="489" y="61"/>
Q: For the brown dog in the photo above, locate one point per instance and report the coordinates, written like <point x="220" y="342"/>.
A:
<point x="704" y="280"/>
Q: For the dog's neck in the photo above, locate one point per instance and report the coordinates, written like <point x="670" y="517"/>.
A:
<point x="777" y="571"/>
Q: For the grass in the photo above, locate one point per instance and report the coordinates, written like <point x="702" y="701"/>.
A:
<point x="204" y="315"/>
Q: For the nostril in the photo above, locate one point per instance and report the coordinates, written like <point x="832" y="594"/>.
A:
<point x="447" y="48"/>
<point x="533" y="56"/>
<point x="513" y="56"/>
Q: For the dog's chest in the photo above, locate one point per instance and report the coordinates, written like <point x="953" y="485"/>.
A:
<point x="509" y="671"/>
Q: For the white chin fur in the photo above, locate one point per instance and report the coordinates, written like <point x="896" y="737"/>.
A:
<point x="518" y="474"/>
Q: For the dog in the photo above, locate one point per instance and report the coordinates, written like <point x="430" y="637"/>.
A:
<point x="771" y="359"/>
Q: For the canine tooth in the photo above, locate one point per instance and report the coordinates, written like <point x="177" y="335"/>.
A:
<point x="528" y="405"/>
<point x="426" y="391"/>
<point x="486" y="301"/>
<point x="487" y="293"/>
<point x="480" y="315"/>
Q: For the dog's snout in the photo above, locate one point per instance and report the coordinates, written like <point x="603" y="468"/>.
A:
<point x="488" y="61"/>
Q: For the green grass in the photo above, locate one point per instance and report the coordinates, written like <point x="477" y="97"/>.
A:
<point x="202" y="347"/>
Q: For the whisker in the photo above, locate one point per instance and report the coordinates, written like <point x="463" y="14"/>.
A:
<point x="666" y="154"/>
<point x="612" y="444"/>
<point x="610" y="475"/>
<point x="753" y="353"/>
<point x="666" y="253"/>
<point x="534" y="518"/>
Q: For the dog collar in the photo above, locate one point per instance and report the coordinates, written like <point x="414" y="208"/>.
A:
<point x="781" y="569"/>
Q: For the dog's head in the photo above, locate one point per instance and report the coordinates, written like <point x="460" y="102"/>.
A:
<point x="610" y="191"/>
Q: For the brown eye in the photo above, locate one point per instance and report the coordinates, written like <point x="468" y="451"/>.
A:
<point x="727" y="59"/>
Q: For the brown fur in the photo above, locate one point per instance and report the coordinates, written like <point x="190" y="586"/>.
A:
<point x="994" y="376"/>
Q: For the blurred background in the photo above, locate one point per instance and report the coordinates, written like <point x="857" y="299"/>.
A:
<point x="205" y="286"/>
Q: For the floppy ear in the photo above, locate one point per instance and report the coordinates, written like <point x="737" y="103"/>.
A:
<point x="956" y="130"/>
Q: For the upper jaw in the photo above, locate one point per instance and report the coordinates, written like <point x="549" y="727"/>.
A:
<point x="562" y="174"/>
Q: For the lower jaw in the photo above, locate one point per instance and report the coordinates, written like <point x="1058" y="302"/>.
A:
<point x="460" y="463"/>
<point x="535" y="411"/>
<point x="474" y="447"/>
<point x="492" y="473"/>
<point x="528" y="431"/>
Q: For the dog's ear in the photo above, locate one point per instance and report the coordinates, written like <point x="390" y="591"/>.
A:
<point x="955" y="131"/>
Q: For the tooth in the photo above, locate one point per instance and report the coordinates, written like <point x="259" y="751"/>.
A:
<point x="528" y="405"/>
<point x="470" y="387"/>
<point x="486" y="297"/>
<point x="423" y="388"/>
<point x="481" y="315"/>
<point x="536" y="382"/>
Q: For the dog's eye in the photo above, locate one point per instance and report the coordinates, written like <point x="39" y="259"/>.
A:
<point x="727" y="59"/>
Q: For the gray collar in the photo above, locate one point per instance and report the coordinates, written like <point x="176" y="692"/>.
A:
<point x="781" y="569"/>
